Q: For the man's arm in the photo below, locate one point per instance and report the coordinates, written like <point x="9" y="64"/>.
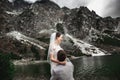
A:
<point x="56" y="61"/>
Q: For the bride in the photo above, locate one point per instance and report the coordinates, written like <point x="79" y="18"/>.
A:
<point x="54" y="47"/>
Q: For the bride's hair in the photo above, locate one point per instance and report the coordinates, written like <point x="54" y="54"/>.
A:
<point x="58" y="35"/>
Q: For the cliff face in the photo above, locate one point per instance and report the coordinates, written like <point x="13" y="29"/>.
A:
<point x="91" y="28"/>
<point x="27" y="26"/>
<point x="35" y="22"/>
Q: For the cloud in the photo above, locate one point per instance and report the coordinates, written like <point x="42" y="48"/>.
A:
<point x="30" y="1"/>
<point x="70" y="3"/>
<point x="105" y="8"/>
<point x="97" y="5"/>
<point x="101" y="7"/>
<point x="113" y="9"/>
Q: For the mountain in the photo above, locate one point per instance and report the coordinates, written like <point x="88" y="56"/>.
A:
<point x="25" y="29"/>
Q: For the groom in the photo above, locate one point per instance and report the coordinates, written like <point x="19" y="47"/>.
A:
<point x="62" y="72"/>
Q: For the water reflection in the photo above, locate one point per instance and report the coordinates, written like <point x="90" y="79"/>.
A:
<point x="39" y="71"/>
<point x="85" y="68"/>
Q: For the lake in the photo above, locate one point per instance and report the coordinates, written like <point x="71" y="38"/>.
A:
<point x="85" y="68"/>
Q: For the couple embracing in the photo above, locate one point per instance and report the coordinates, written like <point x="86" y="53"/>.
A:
<point x="61" y="66"/>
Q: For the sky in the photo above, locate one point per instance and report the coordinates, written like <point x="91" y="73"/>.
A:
<point x="103" y="8"/>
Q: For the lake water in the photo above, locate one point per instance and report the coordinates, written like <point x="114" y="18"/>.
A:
<point x="85" y="68"/>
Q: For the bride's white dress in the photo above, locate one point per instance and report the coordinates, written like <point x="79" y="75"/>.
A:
<point x="54" y="48"/>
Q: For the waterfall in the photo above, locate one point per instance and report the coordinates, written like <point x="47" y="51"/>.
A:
<point x="24" y="39"/>
<point x="117" y="29"/>
<point x="86" y="48"/>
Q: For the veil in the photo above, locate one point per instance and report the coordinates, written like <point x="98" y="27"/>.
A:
<point x="52" y="39"/>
